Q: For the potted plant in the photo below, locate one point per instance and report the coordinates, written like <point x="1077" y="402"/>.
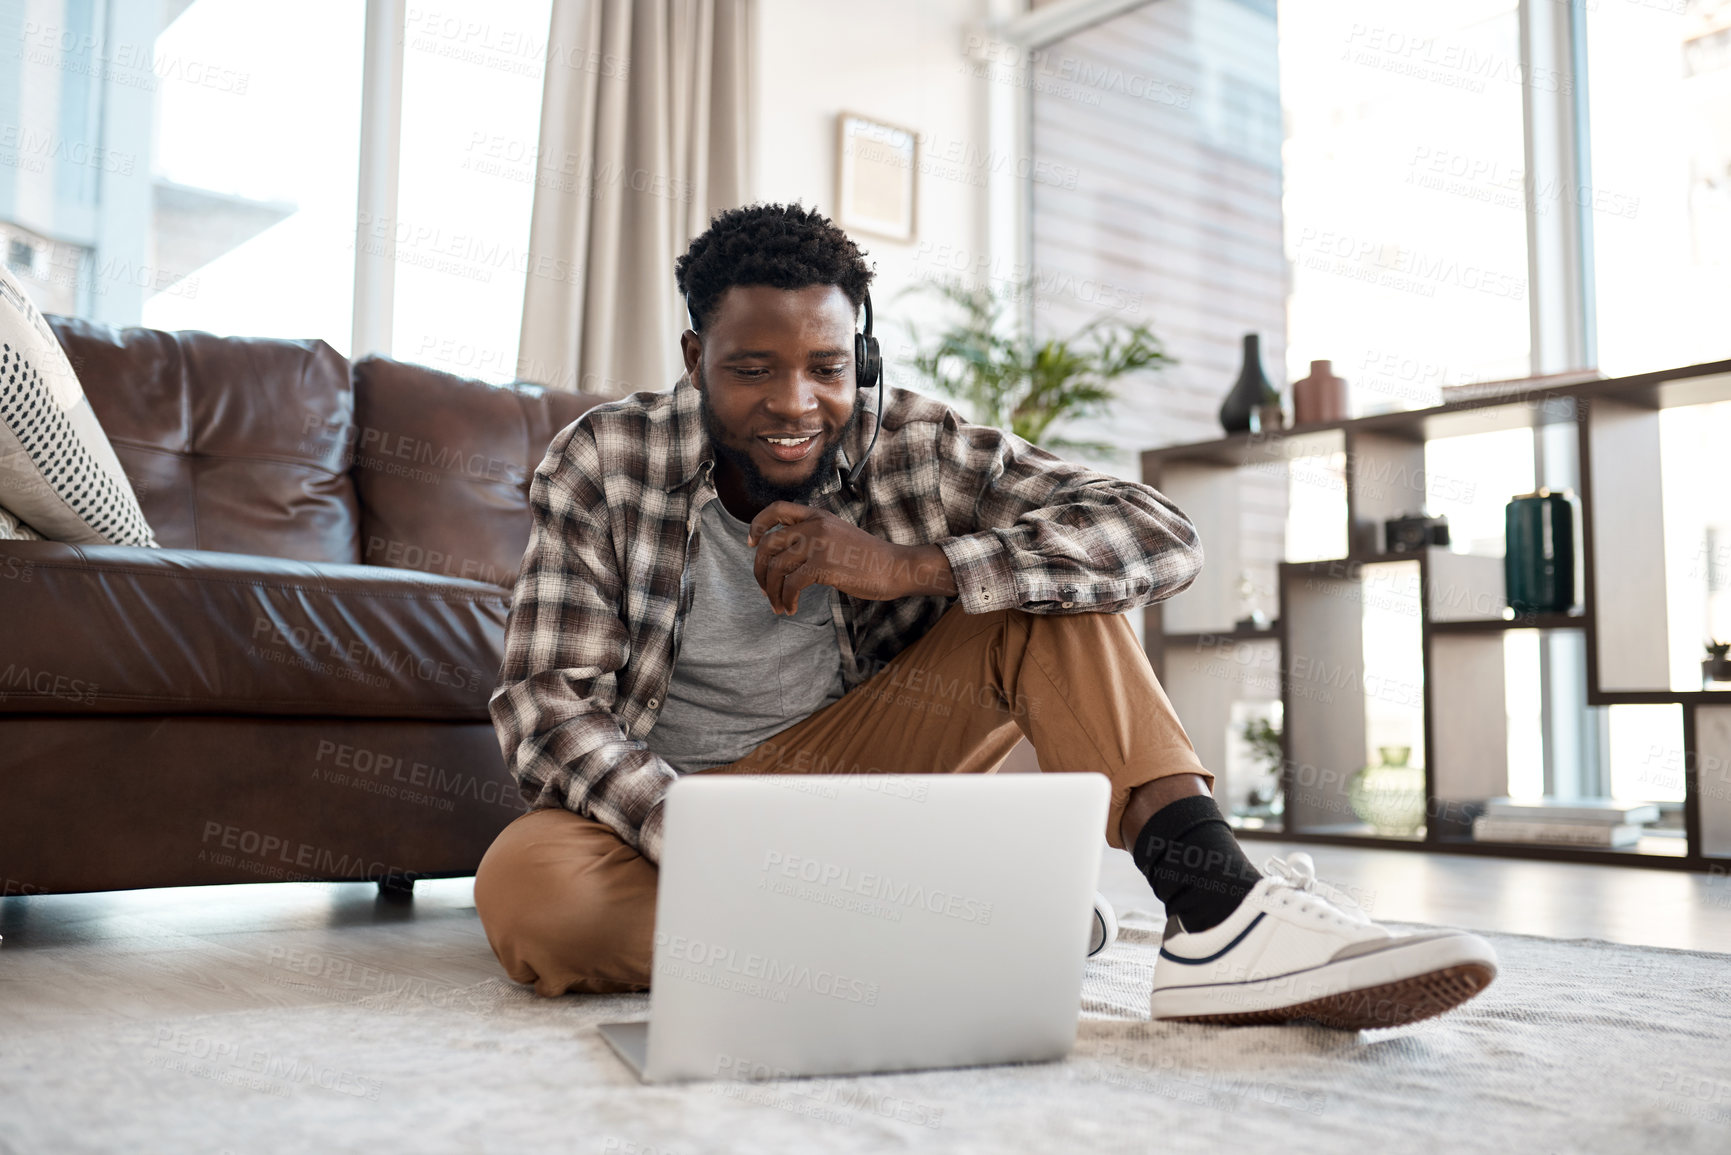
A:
<point x="1262" y="798"/>
<point x="1013" y="380"/>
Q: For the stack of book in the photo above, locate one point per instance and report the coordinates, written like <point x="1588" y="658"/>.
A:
<point x="1564" y="822"/>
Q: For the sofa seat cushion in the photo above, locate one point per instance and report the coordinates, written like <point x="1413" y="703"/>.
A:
<point x="124" y="630"/>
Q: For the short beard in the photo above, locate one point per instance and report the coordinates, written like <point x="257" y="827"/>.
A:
<point x="760" y="490"/>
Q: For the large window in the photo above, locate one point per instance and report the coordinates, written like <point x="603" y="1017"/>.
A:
<point x="195" y="165"/>
<point x="1659" y="102"/>
<point x="1405" y="216"/>
<point x="255" y="175"/>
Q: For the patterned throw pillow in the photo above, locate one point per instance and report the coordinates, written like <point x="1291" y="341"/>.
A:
<point x="58" y="472"/>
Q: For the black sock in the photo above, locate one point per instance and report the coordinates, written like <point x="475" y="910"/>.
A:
<point x="1193" y="862"/>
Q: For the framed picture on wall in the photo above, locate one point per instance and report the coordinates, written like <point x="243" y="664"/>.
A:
<point x="876" y="170"/>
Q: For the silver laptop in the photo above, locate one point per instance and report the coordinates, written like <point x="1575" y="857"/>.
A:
<point x="811" y="924"/>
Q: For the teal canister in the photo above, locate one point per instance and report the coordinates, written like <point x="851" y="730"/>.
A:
<point x="1539" y="562"/>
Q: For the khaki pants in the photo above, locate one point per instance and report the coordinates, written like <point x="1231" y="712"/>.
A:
<point x="568" y="906"/>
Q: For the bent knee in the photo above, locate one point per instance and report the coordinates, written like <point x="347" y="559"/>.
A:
<point x="566" y="905"/>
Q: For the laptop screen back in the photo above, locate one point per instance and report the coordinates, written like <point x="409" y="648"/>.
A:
<point x="811" y="924"/>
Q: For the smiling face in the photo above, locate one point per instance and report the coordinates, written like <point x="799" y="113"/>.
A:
<point x="774" y="364"/>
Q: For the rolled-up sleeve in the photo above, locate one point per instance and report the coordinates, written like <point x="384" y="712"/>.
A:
<point x="554" y="708"/>
<point x="1045" y="535"/>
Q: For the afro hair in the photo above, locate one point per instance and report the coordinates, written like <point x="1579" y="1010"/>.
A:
<point x="782" y="246"/>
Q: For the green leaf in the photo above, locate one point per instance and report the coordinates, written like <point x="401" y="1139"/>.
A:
<point x="980" y="355"/>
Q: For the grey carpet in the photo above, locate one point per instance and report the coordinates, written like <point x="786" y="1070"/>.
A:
<point x="1578" y="1046"/>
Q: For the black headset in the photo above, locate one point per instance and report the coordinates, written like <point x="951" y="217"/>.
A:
<point x="868" y="370"/>
<point x="868" y="373"/>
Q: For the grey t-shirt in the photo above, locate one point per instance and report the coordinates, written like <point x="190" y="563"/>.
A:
<point x="743" y="673"/>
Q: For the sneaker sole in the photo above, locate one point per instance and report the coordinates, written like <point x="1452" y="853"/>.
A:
<point x="1390" y="1004"/>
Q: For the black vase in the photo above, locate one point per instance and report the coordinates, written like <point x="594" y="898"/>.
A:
<point x="1240" y="412"/>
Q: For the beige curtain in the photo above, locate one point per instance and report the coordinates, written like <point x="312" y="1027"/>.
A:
<point x="643" y="139"/>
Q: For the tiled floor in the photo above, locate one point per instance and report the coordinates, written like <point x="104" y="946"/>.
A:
<point x="69" y="959"/>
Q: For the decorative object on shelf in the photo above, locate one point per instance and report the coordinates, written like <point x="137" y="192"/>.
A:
<point x="1012" y="380"/>
<point x="1320" y="397"/>
<point x="1253" y="405"/>
<point x="1250" y="615"/>
<point x="1539" y="557"/>
<point x="1599" y="822"/>
<point x="1555" y="833"/>
<point x="1411" y="532"/>
<point x="1389" y="794"/>
<point x="1716" y="666"/>
<point x="1253" y="756"/>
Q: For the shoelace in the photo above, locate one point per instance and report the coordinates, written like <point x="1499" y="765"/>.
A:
<point x="1298" y="871"/>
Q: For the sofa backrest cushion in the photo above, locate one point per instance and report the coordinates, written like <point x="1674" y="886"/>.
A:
<point x="237" y="444"/>
<point x="443" y="464"/>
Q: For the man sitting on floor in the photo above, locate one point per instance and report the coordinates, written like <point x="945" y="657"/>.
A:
<point x="708" y="589"/>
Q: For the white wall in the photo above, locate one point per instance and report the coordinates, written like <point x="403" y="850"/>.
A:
<point x="899" y="61"/>
<point x="904" y="62"/>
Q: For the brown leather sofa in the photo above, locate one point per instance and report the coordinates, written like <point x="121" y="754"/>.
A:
<point x="295" y="687"/>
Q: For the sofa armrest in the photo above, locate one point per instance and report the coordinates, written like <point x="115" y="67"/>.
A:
<point x="115" y="629"/>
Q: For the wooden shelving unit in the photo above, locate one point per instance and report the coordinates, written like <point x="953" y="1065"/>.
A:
<point x="1312" y="659"/>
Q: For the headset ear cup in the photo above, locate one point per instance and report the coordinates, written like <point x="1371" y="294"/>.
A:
<point x="868" y="361"/>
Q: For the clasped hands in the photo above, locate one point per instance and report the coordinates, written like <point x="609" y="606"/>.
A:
<point x="798" y="546"/>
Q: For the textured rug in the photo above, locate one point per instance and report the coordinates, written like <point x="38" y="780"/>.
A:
<point x="1578" y="1046"/>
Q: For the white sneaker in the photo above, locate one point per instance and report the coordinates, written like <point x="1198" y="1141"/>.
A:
<point x="1299" y="949"/>
<point x="1104" y="930"/>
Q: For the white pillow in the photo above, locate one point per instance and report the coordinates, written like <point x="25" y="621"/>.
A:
<point x="58" y="472"/>
<point x="11" y="529"/>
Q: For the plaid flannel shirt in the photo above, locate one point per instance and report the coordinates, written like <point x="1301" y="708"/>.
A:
<point x="603" y="592"/>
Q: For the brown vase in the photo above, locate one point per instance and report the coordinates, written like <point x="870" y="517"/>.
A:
<point x="1319" y="397"/>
